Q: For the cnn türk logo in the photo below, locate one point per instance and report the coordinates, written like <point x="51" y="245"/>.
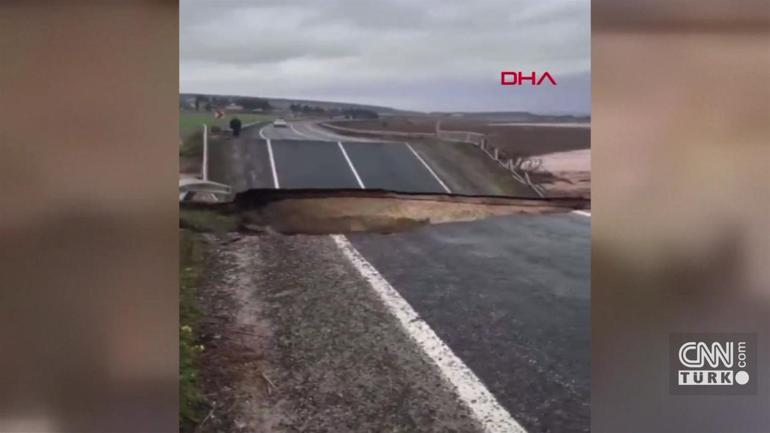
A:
<point x="713" y="364"/>
<point x="519" y="78"/>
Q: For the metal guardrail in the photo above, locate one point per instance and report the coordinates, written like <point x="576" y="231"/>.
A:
<point x="516" y="167"/>
<point x="378" y="132"/>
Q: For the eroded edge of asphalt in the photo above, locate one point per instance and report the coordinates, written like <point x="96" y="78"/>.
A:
<point x="298" y="341"/>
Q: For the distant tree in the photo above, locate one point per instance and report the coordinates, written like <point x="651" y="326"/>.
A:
<point x="198" y="100"/>
<point x="254" y="104"/>
<point x="360" y="113"/>
<point x="218" y="102"/>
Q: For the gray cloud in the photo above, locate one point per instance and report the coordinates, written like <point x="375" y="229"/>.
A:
<point x="428" y="55"/>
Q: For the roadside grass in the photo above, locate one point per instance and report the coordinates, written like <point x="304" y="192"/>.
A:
<point x="191" y="128"/>
<point x="192" y="146"/>
<point x="191" y="400"/>
<point x="207" y="221"/>
<point x="192" y="121"/>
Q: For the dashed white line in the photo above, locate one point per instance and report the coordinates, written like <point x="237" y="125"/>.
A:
<point x="272" y="162"/>
<point x="583" y="213"/>
<point x="350" y="163"/>
<point x="471" y="391"/>
<point x="443" y="185"/>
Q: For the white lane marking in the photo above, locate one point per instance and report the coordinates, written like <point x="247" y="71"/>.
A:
<point x="443" y="185"/>
<point x="582" y="212"/>
<point x="262" y="132"/>
<point x="471" y="391"/>
<point x="272" y="163"/>
<point x="299" y="133"/>
<point x="350" y="163"/>
<point x="324" y="135"/>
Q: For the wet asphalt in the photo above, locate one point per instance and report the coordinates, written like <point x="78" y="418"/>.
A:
<point x="511" y="297"/>
<point x="311" y="164"/>
<point x="391" y="166"/>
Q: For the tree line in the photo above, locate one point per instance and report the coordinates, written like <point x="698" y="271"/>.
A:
<point x="209" y="103"/>
<point x="353" y="113"/>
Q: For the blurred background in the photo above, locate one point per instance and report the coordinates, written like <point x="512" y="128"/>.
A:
<point x="681" y="242"/>
<point x="88" y="228"/>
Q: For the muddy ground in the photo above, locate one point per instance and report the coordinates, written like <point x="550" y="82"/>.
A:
<point x="349" y="211"/>
<point x="295" y="341"/>
<point x="513" y="140"/>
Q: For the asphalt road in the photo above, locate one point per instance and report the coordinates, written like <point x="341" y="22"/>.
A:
<point x="311" y="164"/>
<point x="304" y="156"/>
<point x="511" y="298"/>
<point x="422" y="167"/>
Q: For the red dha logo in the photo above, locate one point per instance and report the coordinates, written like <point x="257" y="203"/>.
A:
<point x="516" y="78"/>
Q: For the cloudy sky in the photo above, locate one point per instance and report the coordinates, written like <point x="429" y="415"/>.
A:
<point x="429" y="55"/>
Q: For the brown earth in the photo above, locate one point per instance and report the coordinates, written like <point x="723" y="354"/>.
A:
<point x="384" y="215"/>
<point x="512" y="140"/>
<point x="311" y="212"/>
<point x="526" y="140"/>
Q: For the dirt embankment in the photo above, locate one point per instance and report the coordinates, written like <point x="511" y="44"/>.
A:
<point x="526" y="140"/>
<point x="513" y="139"/>
<point x="572" y="172"/>
<point x="319" y="212"/>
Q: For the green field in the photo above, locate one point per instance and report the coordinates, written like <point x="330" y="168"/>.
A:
<point x="192" y="121"/>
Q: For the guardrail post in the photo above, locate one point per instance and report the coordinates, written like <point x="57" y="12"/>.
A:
<point x="205" y="168"/>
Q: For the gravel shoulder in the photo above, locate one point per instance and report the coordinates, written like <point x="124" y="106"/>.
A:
<point x="297" y="341"/>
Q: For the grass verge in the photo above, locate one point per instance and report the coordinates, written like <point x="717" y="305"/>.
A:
<point x="207" y="221"/>
<point x="192" y="145"/>
<point x="191" y="122"/>
<point x="191" y="400"/>
<point x="191" y="128"/>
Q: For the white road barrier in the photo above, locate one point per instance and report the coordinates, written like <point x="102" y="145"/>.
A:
<point x="205" y="169"/>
